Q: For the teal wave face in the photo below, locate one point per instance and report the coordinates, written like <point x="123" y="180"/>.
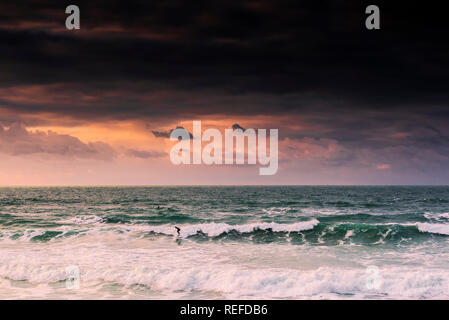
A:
<point x="346" y="215"/>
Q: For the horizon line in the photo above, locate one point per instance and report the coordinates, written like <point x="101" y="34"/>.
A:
<point x="220" y="185"/>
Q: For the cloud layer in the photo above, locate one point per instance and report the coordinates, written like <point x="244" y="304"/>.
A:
<point x="342" y="97"/>
<point x="18" y="141"/>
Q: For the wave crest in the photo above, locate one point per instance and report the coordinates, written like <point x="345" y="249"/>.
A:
<point x="215" y="229"/>
<point x="434" y="228"/>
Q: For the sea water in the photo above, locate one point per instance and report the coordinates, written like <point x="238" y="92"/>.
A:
<point x="236" y="242"/>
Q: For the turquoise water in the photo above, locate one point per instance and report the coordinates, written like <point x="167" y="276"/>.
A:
<point x="235" y="242"/>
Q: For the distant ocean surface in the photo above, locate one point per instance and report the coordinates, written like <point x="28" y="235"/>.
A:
<point x="235" y="242"/>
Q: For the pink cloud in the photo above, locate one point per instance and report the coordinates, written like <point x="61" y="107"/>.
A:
<point x="17" y="140"/>
<point x="309" y="149"/>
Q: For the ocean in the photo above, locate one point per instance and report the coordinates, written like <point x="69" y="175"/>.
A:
<point x="236" y="242"/>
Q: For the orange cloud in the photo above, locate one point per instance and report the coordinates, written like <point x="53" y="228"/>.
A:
<point x="18" y="141"/>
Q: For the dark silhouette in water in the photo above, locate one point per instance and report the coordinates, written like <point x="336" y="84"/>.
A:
<point x="178" y="241"/>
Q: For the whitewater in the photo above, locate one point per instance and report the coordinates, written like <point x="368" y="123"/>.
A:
<point x="234" y="243"/>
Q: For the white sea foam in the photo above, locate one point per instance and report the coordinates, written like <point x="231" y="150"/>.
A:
<point x="437" y="216"/>
<point x="82" y="220"/>
<point x="30" y="234"/>
<point x="129" y="230"/>
<point x="236" y="282"/>
<point x="276" y="210"/>
<point x="215" y="229"/>
<point x="349" y="233"/>
<point x="113" y="264"/>
<point x="433" y="228"/>
<point x="212" y="229"/>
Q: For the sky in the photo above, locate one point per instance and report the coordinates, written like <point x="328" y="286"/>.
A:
<point x="95" y="106"/>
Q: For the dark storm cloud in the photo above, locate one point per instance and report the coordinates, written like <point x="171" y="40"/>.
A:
<point x="384" y="90"/>
<point x="319" y="50"/>
<point x="166" y="134"/>
<point x="161" y="134"/>
<point x="236" y="126"/>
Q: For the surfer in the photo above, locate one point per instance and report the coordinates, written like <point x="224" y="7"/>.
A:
<point x="178" y="234"/>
